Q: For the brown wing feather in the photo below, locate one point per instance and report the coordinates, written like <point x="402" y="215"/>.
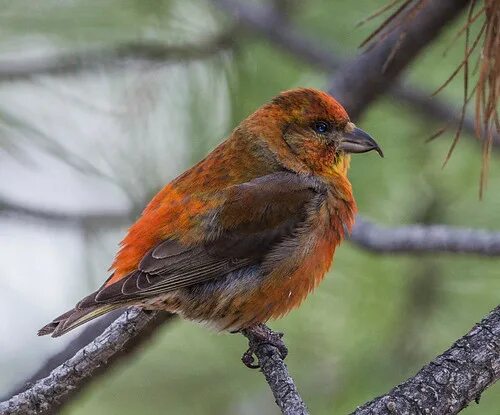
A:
<point x="254" y="217"/>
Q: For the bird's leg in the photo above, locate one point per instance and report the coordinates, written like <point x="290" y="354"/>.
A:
<point x="260" y="335"/>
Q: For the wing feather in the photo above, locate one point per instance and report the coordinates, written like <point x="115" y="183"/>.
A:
<point x="253" y="218"/>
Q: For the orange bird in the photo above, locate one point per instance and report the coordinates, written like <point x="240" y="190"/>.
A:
<point x="249" y="231"/>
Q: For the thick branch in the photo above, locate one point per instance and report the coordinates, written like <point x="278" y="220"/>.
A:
<point x="452" y="380"/>
<point x="409" y="40"/>
<point x="267" y="22"/>
<point x="118" y="340"/>
<point x="424" y="238"/>
<point x="113" y="56"/>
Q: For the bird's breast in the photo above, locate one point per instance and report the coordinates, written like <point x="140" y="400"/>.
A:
<point x="298" y="265"/>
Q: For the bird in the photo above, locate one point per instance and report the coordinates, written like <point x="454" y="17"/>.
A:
<point x="248" y="232"/>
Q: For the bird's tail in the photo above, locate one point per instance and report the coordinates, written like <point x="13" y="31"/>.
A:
<point x="74" y="318"/>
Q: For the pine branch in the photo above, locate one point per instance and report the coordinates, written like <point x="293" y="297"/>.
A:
<point x="120" y="339"/>
<point x="87" y="335"/>
<point x="276" y="373"/>
<point x="452" y="380"/>
<point x="472" y="357"/>
<point x="274" y="27"/>
<point x="443" y="387"/>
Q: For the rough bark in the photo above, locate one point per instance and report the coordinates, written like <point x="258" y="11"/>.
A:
<point x="48" y="394"/>
<point x="276" y="373"/>
<point x="88" y="334"/>
<point x="452" y="380"/>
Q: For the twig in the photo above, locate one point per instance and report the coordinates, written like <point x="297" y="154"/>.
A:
<point x="276" y="373"/>
<point x="48" y="394"/>
<point x="452" y="380"/>
<point x="267" y="22"/>
<point x="111" y="56"/>
<point x="11" y="209"/>
<point x="433" y="107"/>
<point x="424" y="238"/>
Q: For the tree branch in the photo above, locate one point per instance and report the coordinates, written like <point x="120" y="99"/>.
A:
<point x="276" y="373"/>
<point x="88" y="334"/>
<point x="424" y="239"/>
<point x="452" y="380"/>
<point x="366" y="233"/>
<point x="267" y="22"/>
<point x="111" y="57"/>
<point x="121" y="338"/>
<point x="409" y="39"/>
<point x="445" y="386"/>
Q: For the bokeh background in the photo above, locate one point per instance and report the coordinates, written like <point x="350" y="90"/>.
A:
<point x="94" y="143"/>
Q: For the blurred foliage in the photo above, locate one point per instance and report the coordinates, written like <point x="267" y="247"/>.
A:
<point x="375" y="319"/>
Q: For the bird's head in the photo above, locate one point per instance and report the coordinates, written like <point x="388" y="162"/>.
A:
<point x="309" y="128"/>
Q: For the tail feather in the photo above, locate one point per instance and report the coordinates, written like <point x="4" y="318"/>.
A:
<point x="49" y="328"/>
<point x="74" y="318"/>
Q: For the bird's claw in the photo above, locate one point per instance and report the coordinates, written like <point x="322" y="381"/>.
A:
<point x="248" y="359"/>
<point x="260" y="335"/>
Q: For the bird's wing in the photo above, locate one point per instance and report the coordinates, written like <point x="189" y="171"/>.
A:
<point x="254" y="217"/>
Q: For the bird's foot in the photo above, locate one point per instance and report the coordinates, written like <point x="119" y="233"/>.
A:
<point x="259" y="335"/>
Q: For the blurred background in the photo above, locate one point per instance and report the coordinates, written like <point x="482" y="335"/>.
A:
<point x="103" y="102"/>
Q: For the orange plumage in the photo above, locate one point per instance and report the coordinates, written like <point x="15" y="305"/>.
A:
<point x="248" y="232"/>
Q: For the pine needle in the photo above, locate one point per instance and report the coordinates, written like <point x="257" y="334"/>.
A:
<point x="486" y="68"/>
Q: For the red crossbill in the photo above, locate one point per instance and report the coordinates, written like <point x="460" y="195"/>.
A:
<point x="249" y="231"/>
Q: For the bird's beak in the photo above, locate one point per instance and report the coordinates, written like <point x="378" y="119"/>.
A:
<point x="357" y="141"/>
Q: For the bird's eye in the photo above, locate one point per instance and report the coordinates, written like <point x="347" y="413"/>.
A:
<point x="321" y="127"/>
